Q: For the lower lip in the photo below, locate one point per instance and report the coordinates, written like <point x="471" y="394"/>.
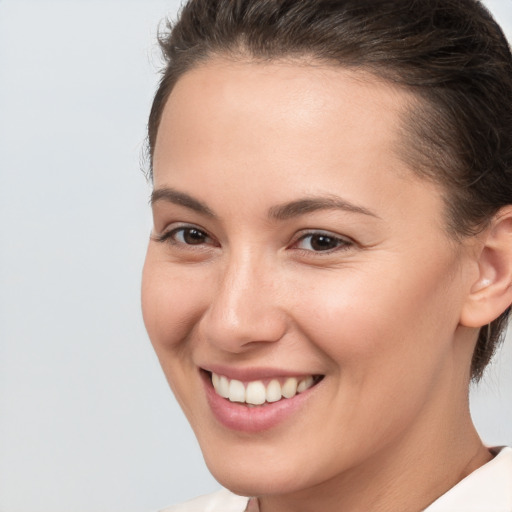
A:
<point x="237" y="416"/>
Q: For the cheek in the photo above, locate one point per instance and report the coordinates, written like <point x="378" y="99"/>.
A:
<point x="378" y="322"/>
<point x="172" y="302"/>
<point x="387" y="344"/>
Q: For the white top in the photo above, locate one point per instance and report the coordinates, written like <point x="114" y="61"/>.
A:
<point x="488" y="489"/>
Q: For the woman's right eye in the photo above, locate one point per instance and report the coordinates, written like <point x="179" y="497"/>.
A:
<point x="186" y="235"/>
<point x="190" y="236"/>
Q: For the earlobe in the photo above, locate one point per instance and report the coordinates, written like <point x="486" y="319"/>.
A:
<point x="491" y="293"/>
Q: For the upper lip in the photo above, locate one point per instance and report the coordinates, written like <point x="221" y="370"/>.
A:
<point x="254" y="373"/>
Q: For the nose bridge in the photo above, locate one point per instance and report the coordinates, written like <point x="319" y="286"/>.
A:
<point x="246" y="306"/>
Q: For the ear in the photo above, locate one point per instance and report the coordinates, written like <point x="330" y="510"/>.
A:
<point x="491" y="292"/>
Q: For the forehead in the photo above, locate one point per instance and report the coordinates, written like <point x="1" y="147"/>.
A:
<point x="312" y="125"/>
<point x="288" y="98"/>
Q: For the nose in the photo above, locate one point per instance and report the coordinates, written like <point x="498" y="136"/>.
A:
<point x="246" y="309"/>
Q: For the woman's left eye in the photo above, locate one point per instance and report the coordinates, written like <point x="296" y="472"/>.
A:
<point x="321" y="242"/>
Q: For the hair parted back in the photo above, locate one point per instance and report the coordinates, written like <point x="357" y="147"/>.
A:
<point x="450" y="53"/>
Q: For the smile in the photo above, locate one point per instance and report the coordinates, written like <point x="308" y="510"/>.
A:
<point x="258" y="392"/>
<point x="258" y="399"/>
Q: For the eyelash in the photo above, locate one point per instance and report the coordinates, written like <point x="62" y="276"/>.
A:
<point x="339" y="243"/>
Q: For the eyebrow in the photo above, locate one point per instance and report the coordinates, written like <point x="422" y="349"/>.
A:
<point x="279" y="212"/>
<point x="312" y="204"/>
<point x="171" y="195"/>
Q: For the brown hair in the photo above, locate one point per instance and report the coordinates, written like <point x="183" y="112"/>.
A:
<point x="450" y="53"/>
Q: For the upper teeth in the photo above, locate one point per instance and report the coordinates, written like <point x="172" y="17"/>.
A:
<point x="256" y="393"/>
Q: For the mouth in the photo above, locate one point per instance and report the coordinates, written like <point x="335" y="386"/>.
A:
<point x="261" y="392"/>
<point x="258" y="400"/>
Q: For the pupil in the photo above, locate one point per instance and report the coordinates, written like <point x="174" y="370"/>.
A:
<point x="193" y="236"/>
<point x="323" y="243"/>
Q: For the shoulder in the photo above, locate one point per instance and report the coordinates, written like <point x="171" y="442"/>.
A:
<point x="220" y="501"/>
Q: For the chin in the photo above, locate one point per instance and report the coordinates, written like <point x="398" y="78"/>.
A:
<point x="256" y="482"/>
<point x="258" y="476"/>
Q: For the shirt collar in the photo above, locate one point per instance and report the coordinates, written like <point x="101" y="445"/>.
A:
<point x="489" y="488"/>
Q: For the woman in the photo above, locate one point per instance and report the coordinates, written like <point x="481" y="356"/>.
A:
<point x="331" y="259"/>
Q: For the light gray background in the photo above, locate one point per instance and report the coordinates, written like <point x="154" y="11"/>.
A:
<point x="87" y="422"/>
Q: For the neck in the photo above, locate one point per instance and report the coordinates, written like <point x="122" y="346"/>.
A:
<point x="405" y="476"/>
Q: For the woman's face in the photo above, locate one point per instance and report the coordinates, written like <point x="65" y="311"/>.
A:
<point x="291" y="245"/>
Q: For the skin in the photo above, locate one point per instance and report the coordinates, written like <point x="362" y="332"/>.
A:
<point x="379" y="316"/>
